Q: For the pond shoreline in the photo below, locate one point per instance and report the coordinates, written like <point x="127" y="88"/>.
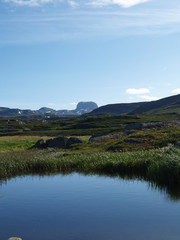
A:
<point x="160" y="167"/>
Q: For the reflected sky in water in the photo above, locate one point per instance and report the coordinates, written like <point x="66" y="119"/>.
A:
<point x="78" y="207"/>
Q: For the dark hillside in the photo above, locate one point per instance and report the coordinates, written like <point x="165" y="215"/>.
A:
<point x="115" y="109"/>
<point x="159" y="105"/>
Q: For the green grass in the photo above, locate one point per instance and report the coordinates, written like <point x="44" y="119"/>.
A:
<point x="9" y="143"/>
<point x="150" y="157"/>
<point x="160" y="167"/>
<point x="85" y="125"/>
<point x="15" y="143"/>
<point x="146" y="139"/>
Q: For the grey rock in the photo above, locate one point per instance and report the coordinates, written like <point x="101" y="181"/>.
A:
<point x="59" y="142"/>
<point x="131" y="140"/>
<point x="72" y="140"/>
<point x="41" y="144"/>
<point x="100" y="138"/>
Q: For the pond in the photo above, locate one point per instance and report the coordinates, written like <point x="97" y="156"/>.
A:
<point x="79" y="207"/>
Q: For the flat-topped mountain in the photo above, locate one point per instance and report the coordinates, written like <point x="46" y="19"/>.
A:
<point x="86" y="107"/>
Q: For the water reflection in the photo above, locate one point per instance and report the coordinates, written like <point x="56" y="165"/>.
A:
<point x="86" y="206"/>
<point x="171" y="190"/>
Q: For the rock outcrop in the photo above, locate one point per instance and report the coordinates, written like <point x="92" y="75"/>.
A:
<point x="58" y="143"/>
<point x="85" y="107"/>
<point x="107" y="137"/>
<point x="150" y="125"/>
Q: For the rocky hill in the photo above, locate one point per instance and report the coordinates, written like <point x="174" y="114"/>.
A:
<point x="82" y="107"/>
<point x="168" y="105"/>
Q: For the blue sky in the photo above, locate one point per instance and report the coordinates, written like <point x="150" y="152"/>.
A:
<point x="55" y="53"/>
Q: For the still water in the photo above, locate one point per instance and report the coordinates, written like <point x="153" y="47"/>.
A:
<point x="78" y="207"/>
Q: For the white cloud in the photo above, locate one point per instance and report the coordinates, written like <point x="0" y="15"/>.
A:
<point x="30" y="3"/>
<point x="137" y="91"/>
<point x="72" y="3"/>
<point x="84" y="24"/>
<point x="177" y="90"/>
<point x="122" y="3"/>
<point x="73" y="103"/>
<point x="149" y="98"/>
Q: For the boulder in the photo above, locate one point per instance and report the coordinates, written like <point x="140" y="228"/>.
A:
<point x="131" y="140"/>
<point x="41" y="144"/>
<point x="59" y="142"/>
<point x="72" y="140"/>
<point x="14" y="238"/>
<point x="101" y="138"/>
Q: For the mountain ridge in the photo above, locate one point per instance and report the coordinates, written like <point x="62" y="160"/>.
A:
<point x="167" y="105"/>
<point x="82" y="107"/>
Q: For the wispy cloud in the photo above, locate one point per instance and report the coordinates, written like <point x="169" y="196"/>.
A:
<point x="137" y="91"/>
<point x="73" y="103"/>
<point x="30" y="3"/>
<point x="35" y="3"/>
<point x="122" y="3"/>
<point x="177" y="90"/>
<point x="149" y="98"/>
<point x="56" y="24"/>
<point x="73" y="3"/>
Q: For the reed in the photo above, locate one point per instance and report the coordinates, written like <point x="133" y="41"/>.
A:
<point x="160" y="166"/>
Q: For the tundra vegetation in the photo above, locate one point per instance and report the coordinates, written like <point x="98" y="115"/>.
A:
<point x="148" y="153"/>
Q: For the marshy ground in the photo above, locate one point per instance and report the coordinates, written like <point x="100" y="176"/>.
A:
<point x="149" y="153"/>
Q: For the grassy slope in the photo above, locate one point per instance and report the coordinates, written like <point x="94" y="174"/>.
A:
<point x="74" y="126"/>
<point x="173" y="108"/>
<point x="161" y="103"/>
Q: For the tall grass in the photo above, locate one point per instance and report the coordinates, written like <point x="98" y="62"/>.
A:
<point x="160" y="167"/>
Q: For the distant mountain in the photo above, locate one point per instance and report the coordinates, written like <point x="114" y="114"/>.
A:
<point x="85" y="107"/>
<point x="82" y="107"/>
<point x="45" y="110"/>
<point x="13" y="112"/>
<point x="168" y="105"/>
<point x="118" y="108"/>
<point x="165" y="105"/>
